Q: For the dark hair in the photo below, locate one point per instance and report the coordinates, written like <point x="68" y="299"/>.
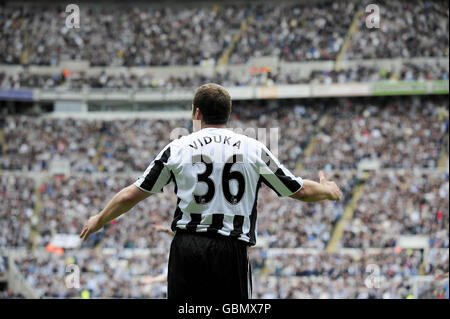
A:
<point x="214" y="102"/>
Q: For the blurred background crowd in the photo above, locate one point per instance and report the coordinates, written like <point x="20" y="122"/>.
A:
<point x="132" y="35"/>
<point x="387" y="153"/>
<point x="380" y="217"/>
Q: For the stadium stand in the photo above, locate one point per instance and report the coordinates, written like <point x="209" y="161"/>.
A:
<point x="404" y="35"/>
<point x="16" y="210"/>
<point x="311" y="69"/>
<point x="67" y="202"/>
<point x="387" y="134"/>
<point x="358" y="73"/>
<point x="342" y="275"/>
<point x="380" y="217"/>
<point x="140" y="30"/>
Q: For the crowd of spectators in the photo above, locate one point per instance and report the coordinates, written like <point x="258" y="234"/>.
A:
<point x="386" y="274"/>
<point x="338" y="265"/>
<point x="126" y="80"/>
<point x="132" y="35"/>
<point x="407" y="29"/>
<point x="405" y="132"/>
<point x="362" y="128"/>
<point x="130" y="145"/>
<point x="68" y="203"/>
<point x="138" y="35"/>
<point x="277" y="275"/>
<point x="356" y="128"/>
<point x="115" y="274"/>
<point x="358" y="73"/>
<point x="117" y="35"/>
<point x="79" y="80"/>
<point x="360" y="274"/>
<point x="296" y="32"/>
<point x="286" y="125"/>
<point x="3" y="265"/>
<point x="380" y="217"/>
<point x="32" y="143"/>
<point x="437" y="261"/>
<point x="17" y="200"/>
<point x="399" y="133"/>
<point x="286" y="224"/>
<point x="351" y="130"/>
<point x="423" y="72"/>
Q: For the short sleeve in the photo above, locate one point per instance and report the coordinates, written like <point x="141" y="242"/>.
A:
<point x="275" y="175"/>
<point x="157" y="175"/>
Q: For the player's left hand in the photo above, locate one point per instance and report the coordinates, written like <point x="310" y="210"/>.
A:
<point x="335" y="192"/>
<point x="91" y="227"/>
<point x="160" y="228"/>
<point x="163" y="229"/>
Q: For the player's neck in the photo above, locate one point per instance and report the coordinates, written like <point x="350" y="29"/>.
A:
<point x="213" y="126"/>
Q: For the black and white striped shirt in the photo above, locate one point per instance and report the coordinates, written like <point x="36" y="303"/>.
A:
<point x="217" y="175"/>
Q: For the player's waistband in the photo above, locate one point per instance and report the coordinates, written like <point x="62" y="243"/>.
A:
<point x="211" y="234"/>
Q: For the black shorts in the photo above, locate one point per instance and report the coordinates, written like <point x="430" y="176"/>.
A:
<point x="205" y="266"/>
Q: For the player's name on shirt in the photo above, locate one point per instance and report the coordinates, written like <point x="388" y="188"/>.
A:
<point x="218" y="139"/>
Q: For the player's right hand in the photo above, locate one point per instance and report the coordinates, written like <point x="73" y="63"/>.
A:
<point x="334" y="191"/>
<point x="92" y="225"/>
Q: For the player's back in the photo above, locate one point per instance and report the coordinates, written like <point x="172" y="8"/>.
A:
<point x="217" y="174"/>
<point x="217" y="179"/>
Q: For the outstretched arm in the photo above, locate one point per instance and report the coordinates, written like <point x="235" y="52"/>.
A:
<point x="314" y="192"/>
<point x="122" y="202"/>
